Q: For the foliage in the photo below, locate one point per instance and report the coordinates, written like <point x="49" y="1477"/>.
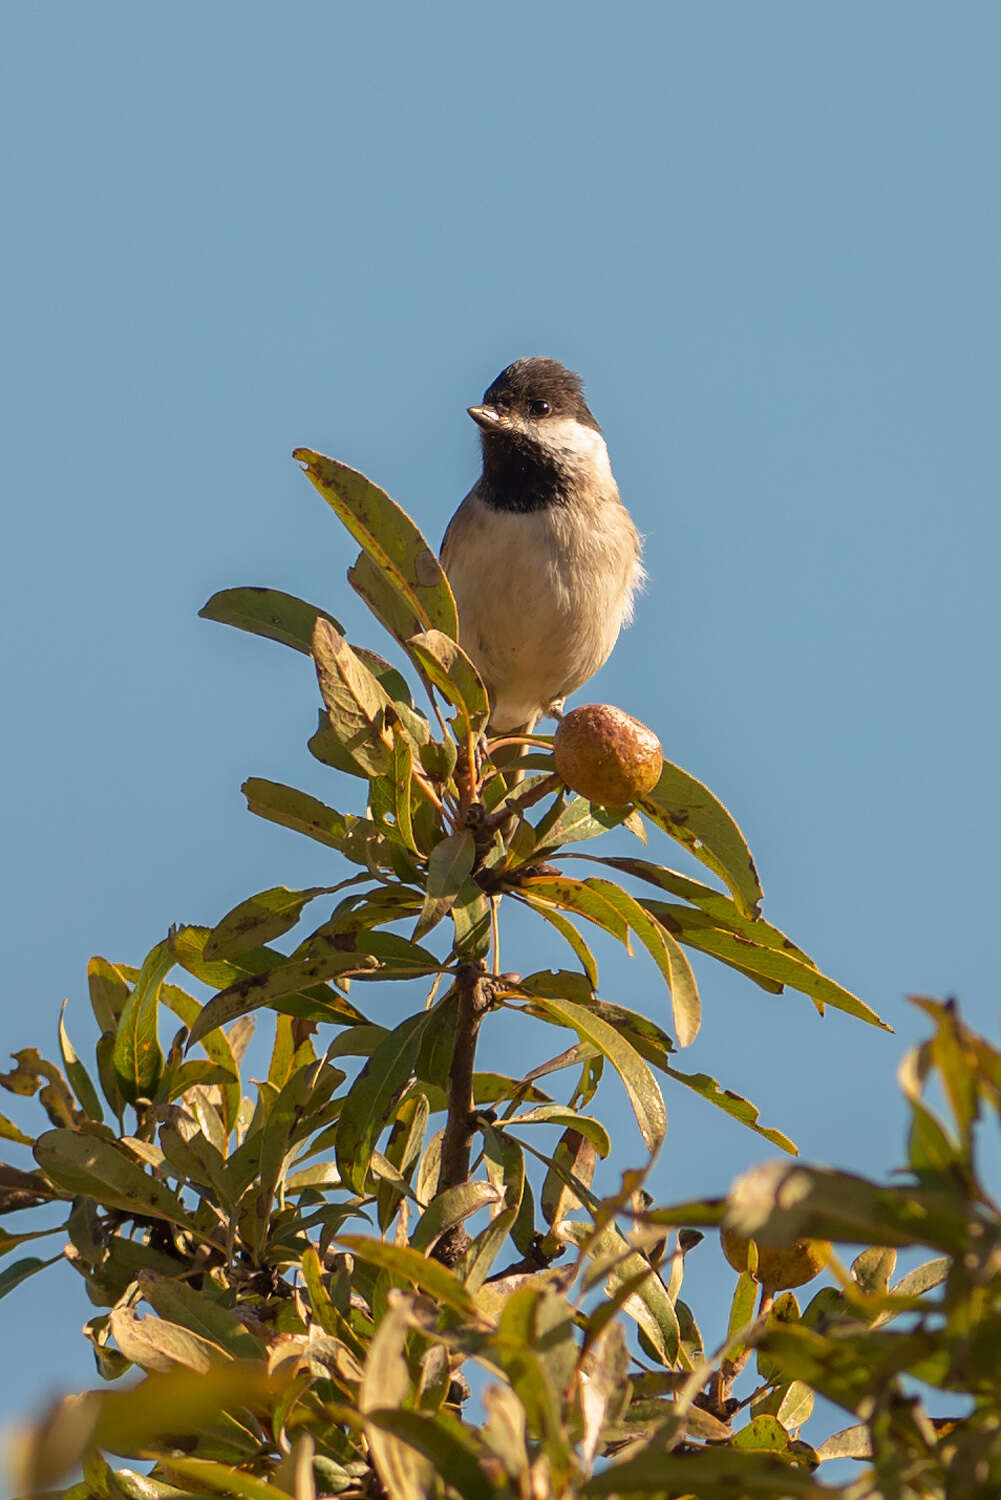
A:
<point x="304" y="1271"/>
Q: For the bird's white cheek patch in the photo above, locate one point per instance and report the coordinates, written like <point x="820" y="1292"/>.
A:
<point x="579" y="447"/>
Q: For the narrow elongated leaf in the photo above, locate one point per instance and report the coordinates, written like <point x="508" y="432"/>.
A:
<point x="448" y="1445"/>
<point x="11" y="1132"/>
<point x="427" y="1275"/>
<point x="445" y="664"/>
<point x="356" y="838"/>
<point x="568" y="932"/>
<point x="182" y="1304"/>
<point x="260" y="918"/>
<point x="650" y="1304"/>
<point x="209" y="1474"/>
<point x="286" y="978"/>
<point x="77" y="1074"/>
<point x="155" y="1344"/>
<point x="390" y="539"/>
<point x="88" y="1166"/>
<point x="561" y="1114"/>
<point x="19" y="1270"/>
<point x="356" y="701"/>
<point x="723" y="910"/>
<point x="450" y="865"/>
<point x="698" y="931"/>
<point x="471" y="918"/>
<point x="137" y="1059"/>
<point x="370" y="1101"/>
<point x="668" y="956"/>
<point x="714" y="1473"/>
<point x="449" y="1208"/>
<point x="731" y="1104"/>
<point x="577" y="896"/>
<point x="641" y="1086"/>
<point x="570" y="822"/>
<point x="267" y="612"/>
<point x="690" y="813"/>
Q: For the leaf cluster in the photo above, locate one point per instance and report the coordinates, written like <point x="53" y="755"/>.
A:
<point x="307" y="1269"/>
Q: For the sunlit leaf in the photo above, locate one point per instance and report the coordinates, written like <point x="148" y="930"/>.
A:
<point x="390" y="539"/>
<point x="697" y="930"/>
<point x="449" y="1208"/>
<point x="91" y="1167"/>
<point x="267" y="612"/>
<point x="427" y="1275"/>
<point x="369" y="1103"/>
<point x="137" y="1058"/>
<point x="356" y="838"/>
<point x="448" y="868"/>
<point x="260" y="918"/>
<point x="77" y="1074"/>
<point x="666" y="953"/>
<point x="356" y="701"/>
<point x="445" y="664"/>
<point x="690" y="813"/>
<point x="644" y="1095"/>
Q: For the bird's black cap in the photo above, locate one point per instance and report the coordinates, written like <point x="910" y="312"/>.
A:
<point x="530" y="381"/>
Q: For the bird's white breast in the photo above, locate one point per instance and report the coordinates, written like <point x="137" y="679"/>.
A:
<point x="541" y="594"/>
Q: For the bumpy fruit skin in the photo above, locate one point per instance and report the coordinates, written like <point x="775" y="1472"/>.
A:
<point x="606" y="755"/>
<point x="779" y="1267"/>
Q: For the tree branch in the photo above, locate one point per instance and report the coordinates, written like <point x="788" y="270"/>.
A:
<point x="456" y="1146"/>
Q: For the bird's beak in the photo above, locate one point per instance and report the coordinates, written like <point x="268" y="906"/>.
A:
<point x="487" y="417"/>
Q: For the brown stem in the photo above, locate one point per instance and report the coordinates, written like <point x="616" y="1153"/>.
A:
<point x="457" y="1143"/>
<point x="517" y="805"/>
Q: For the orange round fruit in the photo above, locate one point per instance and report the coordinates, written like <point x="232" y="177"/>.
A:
<point x="606" y="755"/>
<point x="779" y="1267"/>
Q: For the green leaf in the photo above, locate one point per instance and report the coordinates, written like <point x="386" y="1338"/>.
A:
<point x="560" y="1114"/>
<point x="445" y="664"/>
<point x="260" y="918"/>
<point x="427" y="1275"/>
<point x="372" y="1097"/>
<point x="450" y="865"/>
<point x="447" y="1445"/>
<point x="723" y="910"/>
<point x="108" y="993"/>
<point x="577" y="896"/>
<point x="731" y="1104"/>
<point x="569" y="933"/>
<point x="208" y="1474"/>
<point x="10" y="1132"/>
<point x="88" y="1166"/>
<point x="137" y="1059"/>
<point x="390" y="539"/>
<point x="644" y="1095"/>
<point x="574" y="1157"/>
<point x="356" y="701"/>
<point x="712" y="1473"/>
<point x="649" y="1305"/>
<point x="690" y="813"/>
<point x="666" y="954"/>
<point x="570" y="822"/>
<point x="182" y="1304"/>
<point x="287" y="977"/>
<point x="155" y="1344"/>
<point x="267" y="612"/>
<point x="449" y="1208"/>
<point x="471" y="918"/>
<point x="742" y="953"/>
<point x="356" y="838"/>
<point x="20" y="1270"/>
<point x="77" y="1074"/>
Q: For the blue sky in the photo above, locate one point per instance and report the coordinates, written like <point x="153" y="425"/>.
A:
<point x="768" y="237"/>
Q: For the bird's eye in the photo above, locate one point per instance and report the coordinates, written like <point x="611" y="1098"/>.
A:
<point x="539" y="408"/>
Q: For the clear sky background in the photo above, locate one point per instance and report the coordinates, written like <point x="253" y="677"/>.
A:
<point x="767" y="236"/>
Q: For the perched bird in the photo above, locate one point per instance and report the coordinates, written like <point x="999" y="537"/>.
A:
<point x="542" y="555"/>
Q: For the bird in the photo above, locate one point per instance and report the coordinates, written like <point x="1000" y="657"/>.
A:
<point x="542" y="555"/>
